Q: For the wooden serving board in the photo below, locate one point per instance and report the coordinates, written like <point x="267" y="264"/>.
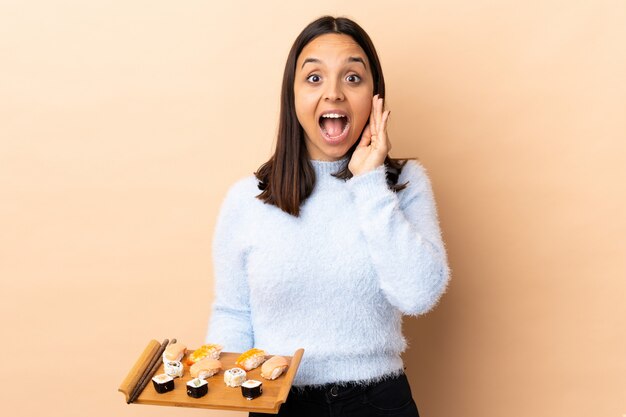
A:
<point x="219" y="396"/>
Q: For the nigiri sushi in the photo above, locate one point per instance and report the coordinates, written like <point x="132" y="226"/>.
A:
<point x="251" y="359"/>
<point x="205" y="351"/>
<point x="174" y="352"/>
<point x="274" y="367"/>
<point x="205" y="368"/>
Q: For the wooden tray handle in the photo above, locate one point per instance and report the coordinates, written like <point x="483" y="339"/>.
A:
<point x="132" y="379"/>
<point x="290" y="375"/>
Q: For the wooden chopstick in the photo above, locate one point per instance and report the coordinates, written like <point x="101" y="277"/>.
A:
<point x="149" y="371"/>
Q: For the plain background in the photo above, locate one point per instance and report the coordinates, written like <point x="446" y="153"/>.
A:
<point x="122" y="125"/>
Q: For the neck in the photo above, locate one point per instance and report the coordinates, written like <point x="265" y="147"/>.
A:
<point x="325" y="168"/>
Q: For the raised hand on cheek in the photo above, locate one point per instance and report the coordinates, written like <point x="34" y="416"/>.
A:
<point x="374" y="145"/>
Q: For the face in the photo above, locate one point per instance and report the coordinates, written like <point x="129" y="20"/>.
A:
<point x="333" y="95"/>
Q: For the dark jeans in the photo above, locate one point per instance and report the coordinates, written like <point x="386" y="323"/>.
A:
<point x="390" y="397"/>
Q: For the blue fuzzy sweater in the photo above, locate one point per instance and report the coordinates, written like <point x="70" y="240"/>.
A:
<point x="334" y="281"/>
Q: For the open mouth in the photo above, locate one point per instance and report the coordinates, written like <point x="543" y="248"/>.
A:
<point x="334" y="126"/>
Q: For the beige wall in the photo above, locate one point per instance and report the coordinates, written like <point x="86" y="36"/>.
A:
<point x="123" y="123"/>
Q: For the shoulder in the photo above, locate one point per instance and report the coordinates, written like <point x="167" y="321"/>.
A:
<point x="418" y="186"/>
<point x="241" y="193"/>
<point x="244" y="187"/>
<point x="414" y="173"/>
<point x="236" y="207"/>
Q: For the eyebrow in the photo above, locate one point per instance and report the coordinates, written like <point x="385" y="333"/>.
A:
<point x="350" y="59"/>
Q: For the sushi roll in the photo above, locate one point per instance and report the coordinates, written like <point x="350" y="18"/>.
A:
<point x="251" y="389"/>
<point x="163" y="383"/>
<point x="234" y="377"/>
<point x="251" y="359"/>
<point x="205" y="351"/>
<point x="197" y="388"/>
<point x="173" y="369"/>
<point x="174" y="352"/>
<point x="274" y="367"/>
<point x="205" y="368"/>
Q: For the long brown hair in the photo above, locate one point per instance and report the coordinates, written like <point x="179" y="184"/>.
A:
<point x="288" y="178"/>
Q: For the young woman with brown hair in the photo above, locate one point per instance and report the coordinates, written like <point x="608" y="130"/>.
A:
<point x="331" y="241"/>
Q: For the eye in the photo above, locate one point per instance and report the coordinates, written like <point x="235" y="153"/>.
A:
<point x="353" y="78"/>
<point x="313" y="78"/>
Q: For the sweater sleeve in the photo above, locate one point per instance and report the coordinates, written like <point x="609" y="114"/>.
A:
<point x="230" y="324"/>
<point x="403" y="237"/>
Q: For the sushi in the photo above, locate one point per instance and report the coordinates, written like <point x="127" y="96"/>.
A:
<point x="251" y="359"/>
<point x="205" y="368"/>
<point x="274" y="367"/>
<point x="197" y="388"/>
<point x="251" y="389"/>
<point x="173" y="369"/>
<point x="205" y="351"/>
<point x="174" y="352"/>
<point x="234" y="377"/>
<point x="163" y="383"/>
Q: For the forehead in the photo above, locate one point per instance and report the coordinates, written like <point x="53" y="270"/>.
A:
<point x="331" y="47"/>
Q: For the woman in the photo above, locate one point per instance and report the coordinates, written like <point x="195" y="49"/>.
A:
<point x="340" y="242"/>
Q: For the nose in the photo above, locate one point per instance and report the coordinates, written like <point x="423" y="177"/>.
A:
<point x="333" y="91"/>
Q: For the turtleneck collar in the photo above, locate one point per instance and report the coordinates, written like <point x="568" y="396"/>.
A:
<point x="325" y="168"/>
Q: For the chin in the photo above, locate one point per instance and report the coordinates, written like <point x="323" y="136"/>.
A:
<point x="335" y="153"/>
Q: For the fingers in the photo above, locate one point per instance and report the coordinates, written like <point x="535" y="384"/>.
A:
<point x="366" y="137"/>
<point x="379" y="113"/>
<point x="384" y="127"/>
<point x="376" y="114"/>
<point x="383" y="124"/>
<point x="372" y="122"/>
<point x="375" y="119"/>
<point x="377" y="125"/>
